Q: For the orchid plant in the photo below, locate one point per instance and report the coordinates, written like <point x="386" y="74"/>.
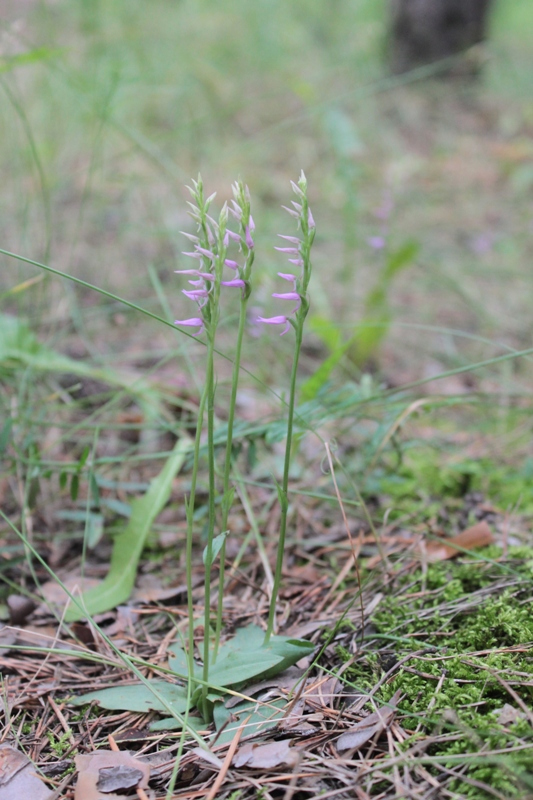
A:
<point x="252" y="653"/>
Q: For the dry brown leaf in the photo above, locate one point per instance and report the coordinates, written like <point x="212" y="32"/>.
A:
<point x="479" y="535"/>
<point x="18" y="778"/>
<point x="107" y="770"/>
<point x="55" y="596"/>
<point x="376" y="722"/>
<point x="509" y="715"/>
<point x="266" y="756"/>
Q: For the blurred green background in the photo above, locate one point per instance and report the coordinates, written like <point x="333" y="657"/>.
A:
<point x="110" y="106"/>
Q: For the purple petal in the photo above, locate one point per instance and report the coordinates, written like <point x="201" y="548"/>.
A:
<point x="190" y="236"/>
<point x="297" y="261"/>
<point x="310" y="220"/>
<point x="293" y="239"/>
<point x="193" y="322"/>
<point x="195" y="294"/>
<point x="232" y="235"/>
<point x="287" y="296"/>
<point x="287" y="250"/>
<point x="191" y="255"/>
<point x="207" y="276"/>
<point x="236" y="282"/>
<point x="288" y="276"/>
<point x="251" y="223"/>
<point x="248" y="238"/>
<point x="297" y="189"/>
<point x="291" y="212"/>
<point x="377" y="242"/>
<point x="273" y="320"/>
<point x="276" y="321"/>
<point x="206" y="253"/>
<point x="231" y="264"/>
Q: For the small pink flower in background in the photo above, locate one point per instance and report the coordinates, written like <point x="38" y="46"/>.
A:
<point x="386" y="207"/>
<point x="376" y="242"/>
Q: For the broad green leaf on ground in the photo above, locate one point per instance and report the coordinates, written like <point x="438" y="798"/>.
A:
<point x="246" y="657"/>
<point x="128" y="544"/>
<point x="178" y="662"/>
<point x="232" y="665"/>
<point x="137" y="697"/>
<point x="242" y="666"/>
<point x="170" y="724"/>
<point x="261" y="718"/>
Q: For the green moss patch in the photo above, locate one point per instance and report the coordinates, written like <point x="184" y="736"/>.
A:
<point x="457" y="641"/>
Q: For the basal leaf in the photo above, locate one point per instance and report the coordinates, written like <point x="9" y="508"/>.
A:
<point x="172" y="724"/>
<point x="137" y="697"/>
<point x="261" y="718"/>
<point x="178" y="661"/>
<point x="246" y="657"/>
<point x="128" y="545"/>
<point x="241" y="666"/>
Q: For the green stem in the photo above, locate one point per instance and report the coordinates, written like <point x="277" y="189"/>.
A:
<point x="227" y="471"/>
<point x="210" y="391"/>
<point x="284" y="488"/>
<point x="190" y="531"/>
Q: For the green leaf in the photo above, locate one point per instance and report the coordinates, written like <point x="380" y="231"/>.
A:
<point x="74" y="487"/>
<point x="327" y="331"/>
<point x="240" y="666"/>
<point x="311" y="387"/>
<point x="227" y="499"/>
<point x="216" y="547"/>
<point x="30" y="57"/>
<point x="94" y="529"/>
<point x="178" y="662"/>
<point x="137" y="697"/>
<point x="261" y="718"/>
<point x="282" y="498"/>
<point x="83" y="458"/>
<point x="246" y="656"/>
<point x="5" y="435"/>
<point x="128" y="544"/>
<point x="171" y="724"/>
<point x="401" y="258"/>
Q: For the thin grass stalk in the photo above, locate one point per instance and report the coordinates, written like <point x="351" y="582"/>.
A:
<point x="227" y="472"/>
<point x="284" y="501"/>
<point x="190" y="532"/>
<point x="210" y="391"/>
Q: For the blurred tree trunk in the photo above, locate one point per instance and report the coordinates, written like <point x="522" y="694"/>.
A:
<point x="424" y="31"/>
